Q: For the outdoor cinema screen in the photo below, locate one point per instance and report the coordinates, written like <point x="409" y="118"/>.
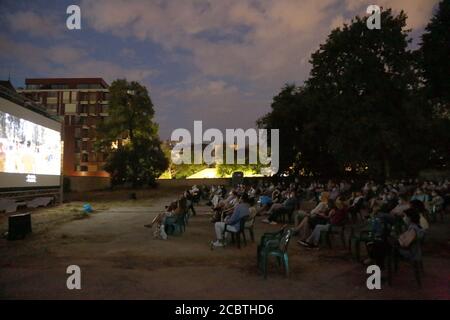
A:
<point x="30" y="148"/>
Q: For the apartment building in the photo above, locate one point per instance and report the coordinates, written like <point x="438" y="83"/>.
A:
<point x="82" y="103"/>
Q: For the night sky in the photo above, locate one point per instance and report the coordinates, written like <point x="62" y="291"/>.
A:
<point x="216" y="61"/>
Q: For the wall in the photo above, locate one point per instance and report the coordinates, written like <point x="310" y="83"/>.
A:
<point x="82" y="184"/>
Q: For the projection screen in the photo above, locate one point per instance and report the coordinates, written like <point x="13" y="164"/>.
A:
<point x="30" y="148"/>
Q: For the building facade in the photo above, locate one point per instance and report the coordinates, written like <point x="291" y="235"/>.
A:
<point x="81" y="103"/>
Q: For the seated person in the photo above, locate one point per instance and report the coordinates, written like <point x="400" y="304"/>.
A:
<point x="420" y="195"/>
<point x="265" y="203"/>
<point x="356" y="204"/>
<point x="289" y="205"/>
<point x="403" y="204"/>
<point x="225" y="207"/>
<point x="412" y="251"/>
<point x="233" y="222"/>
<point x="437" y="201"/>
<point x="303" y="229"/>
<point x="337" y="216"/>
<point x="175" y="208"/>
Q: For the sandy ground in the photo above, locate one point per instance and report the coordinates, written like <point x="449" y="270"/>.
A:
<point x="120" y="260"/>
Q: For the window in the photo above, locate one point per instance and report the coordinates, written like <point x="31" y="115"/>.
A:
<point x="85" y="133"/>
<point x="83" y="168"/>
<point x="105" y="108"/>
<point x="83" y="96"/>
<point x="59" y="86"/>
<point x="71" y="108"/>
<point x="78" y="147"/>
<point x="82" y="120"/>
<point x="77" y="133"/>
<point x="84" y="108"/>
<point x="52" y="94"/>
<point x="84" y="145"/>
<point x="93" y="109"/>
<point x="84" y="157"/>
<point x="66" y="96"/>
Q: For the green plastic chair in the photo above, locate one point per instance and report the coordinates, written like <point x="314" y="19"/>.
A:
<point x="266" y="237"/>
<point x="325" y="235"/>
<point x="355" y="241"/>
<point x="416" y="264"/>
<point x="276" y="248"/>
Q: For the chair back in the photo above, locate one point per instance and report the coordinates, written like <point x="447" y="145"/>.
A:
<point x="284" y="241"/>
<point x="242" y="223"/>
<point x="181" y="218"/>
<point x="251" y="218"/>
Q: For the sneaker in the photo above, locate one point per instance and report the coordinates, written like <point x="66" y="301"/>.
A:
<point x="303" y="243"/>
<point x="273" y="222"/>
<point x="265" y="221"/>
<point x="217" y="243"/>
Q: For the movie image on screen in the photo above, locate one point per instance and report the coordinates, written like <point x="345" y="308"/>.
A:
<point x="28" y="148"/>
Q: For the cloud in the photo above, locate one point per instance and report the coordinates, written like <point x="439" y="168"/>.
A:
<point x="66" y="61"/>
<point x="419" y="12"/>
<point x="238" y="54"/>
<point x="35" y="24"/>
<point x="127" y="53"/>
<point x="230" y="44"/>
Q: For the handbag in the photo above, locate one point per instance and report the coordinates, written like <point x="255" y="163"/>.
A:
<point x="407" y="237"/>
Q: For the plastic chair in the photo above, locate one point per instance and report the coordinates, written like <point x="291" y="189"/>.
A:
<point x="276" y="248"/>
<point x="250" y="223"/>
<point x="286" y="215"/>
<point x="237" y="233"/>
<point x="266" y="237"/>
<point x="325" y="235"/>
<point x="415" y="262"/>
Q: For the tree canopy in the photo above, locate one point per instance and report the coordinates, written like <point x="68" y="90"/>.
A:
<point x="362" y="110"/>
<point x="130" y="136"/>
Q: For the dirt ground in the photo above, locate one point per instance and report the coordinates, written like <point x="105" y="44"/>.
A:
<point x="120" y="260"/>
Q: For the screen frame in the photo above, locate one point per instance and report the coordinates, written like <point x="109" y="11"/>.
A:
<point x="22" y="112"/>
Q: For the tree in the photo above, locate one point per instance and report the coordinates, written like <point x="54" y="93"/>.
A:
<point x="435" y="51"/>
<point x="434" y="55"/>
<point x="359" y="110"/>
<point x="130" y="136"/>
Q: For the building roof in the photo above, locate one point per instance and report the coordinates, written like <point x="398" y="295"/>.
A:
<point x="7" y="84"/>
<point x="11" y="95"/>
<point x="66" y="81"/>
